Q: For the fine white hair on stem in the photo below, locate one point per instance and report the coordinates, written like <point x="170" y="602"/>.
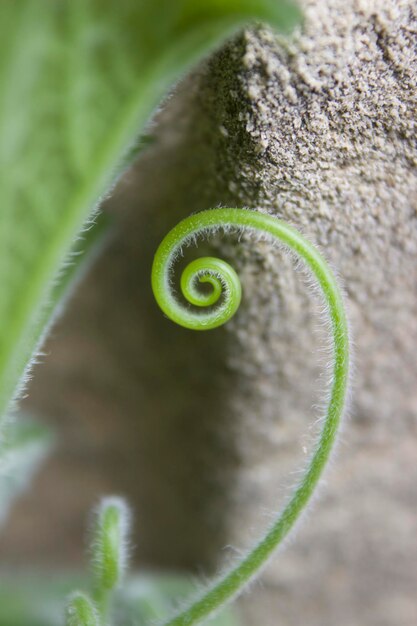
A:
<point x="231" y="581"/>
<point x="110" y="529"/>
<point x="80" y="611"/>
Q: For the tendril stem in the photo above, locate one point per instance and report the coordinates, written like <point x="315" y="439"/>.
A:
<point x="233" y="581"/>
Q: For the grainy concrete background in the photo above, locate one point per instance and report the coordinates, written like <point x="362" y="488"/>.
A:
<point x="203" y="432"/>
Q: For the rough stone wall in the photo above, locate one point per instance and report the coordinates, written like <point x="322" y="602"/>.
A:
<point x="324" y="128"/>
<point x="204" y="431"/>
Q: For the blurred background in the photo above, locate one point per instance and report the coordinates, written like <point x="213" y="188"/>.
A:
<point x="204" y="432"/>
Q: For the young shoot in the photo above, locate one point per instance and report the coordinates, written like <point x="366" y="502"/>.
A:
<point x="80" y="611"/>
<point x="109" y="548"/>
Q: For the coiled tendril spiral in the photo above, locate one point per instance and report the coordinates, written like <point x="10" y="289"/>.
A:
<point x="225" y="281"/>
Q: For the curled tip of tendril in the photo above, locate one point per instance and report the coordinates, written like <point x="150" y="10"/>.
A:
<point x="220" y="302"/>
<point x="223" y="281"/>
<point x="226" y="294"/>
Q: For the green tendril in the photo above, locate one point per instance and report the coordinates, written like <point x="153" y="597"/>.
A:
<point x="225" y="283"/>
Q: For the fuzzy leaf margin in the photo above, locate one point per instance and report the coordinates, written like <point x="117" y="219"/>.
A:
<point x="78" y="81"/>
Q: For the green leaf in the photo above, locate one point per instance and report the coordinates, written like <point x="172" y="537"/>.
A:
<point x="33" y="598"/>
<point x="82" y="255"/>
<point x="26" y="446"/>
<point x="37" y="599"/>
<point x="78" y="81"/>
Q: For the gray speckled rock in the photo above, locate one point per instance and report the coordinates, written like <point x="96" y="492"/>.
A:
<point x="322" y="132"/>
